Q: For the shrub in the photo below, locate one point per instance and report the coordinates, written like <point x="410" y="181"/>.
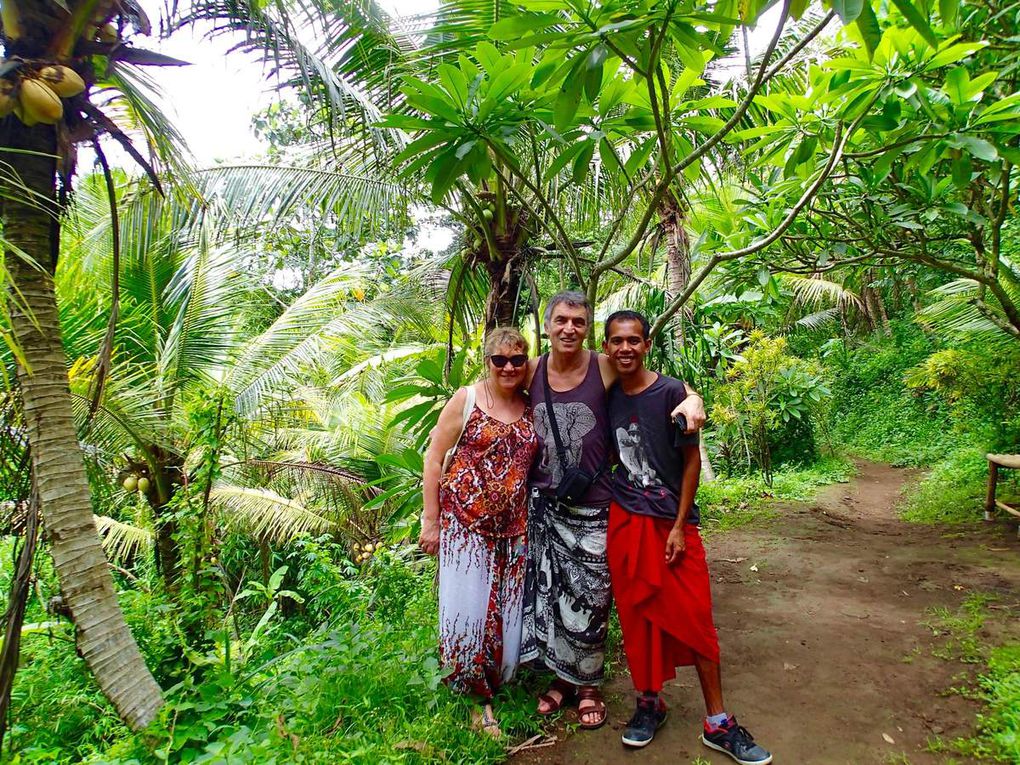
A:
<point x="768" y="401"/>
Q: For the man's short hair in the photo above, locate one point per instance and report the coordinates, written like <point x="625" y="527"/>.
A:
<point x="646" y="328"/>
<point x="573" y="298"/>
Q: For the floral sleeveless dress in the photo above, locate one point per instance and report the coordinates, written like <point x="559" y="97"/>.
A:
<point x="482" y="524"/>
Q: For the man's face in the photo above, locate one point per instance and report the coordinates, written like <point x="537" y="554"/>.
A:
<point x="567" y="328"/>
<point x="626" y="346"/>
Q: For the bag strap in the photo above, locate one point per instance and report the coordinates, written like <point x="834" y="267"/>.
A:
<point x="561" y="451"/>
<point x="469" y="405"/>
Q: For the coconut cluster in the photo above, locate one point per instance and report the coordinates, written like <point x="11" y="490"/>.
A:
<point x="133" y="483"/>
<point x="362" y="553"/>
<point x="36" y="95"/>
<point x="488" y="212"/>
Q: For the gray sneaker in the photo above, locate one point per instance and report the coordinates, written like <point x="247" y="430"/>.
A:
<point x="648" y="718"/>
<point x="737" y="742"/>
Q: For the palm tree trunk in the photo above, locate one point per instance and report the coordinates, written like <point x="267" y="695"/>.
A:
<point x="678" y="274"/>
<point x="103" y="637"/>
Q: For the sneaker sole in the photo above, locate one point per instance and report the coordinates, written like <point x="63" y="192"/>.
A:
<point x="718" y="748"/>
<point x="642" y="744"/>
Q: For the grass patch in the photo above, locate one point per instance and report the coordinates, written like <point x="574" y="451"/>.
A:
<point x="366" y="687"/>
<point x="997" y="737"/>
<point x="953" y="491"/>
<point x="733" y="501"/>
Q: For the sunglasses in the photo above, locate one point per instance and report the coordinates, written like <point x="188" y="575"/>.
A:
<point x="518" y="360"/>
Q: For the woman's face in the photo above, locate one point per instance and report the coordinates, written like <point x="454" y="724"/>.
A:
<point x="510" y="373"/>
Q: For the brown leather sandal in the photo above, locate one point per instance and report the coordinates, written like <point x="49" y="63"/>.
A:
<point x="567" y="692"/>
<point x="596" y="707"/>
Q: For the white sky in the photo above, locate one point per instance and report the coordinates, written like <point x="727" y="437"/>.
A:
<point x="214" y="99"/>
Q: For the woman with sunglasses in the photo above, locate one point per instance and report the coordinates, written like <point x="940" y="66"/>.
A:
<point x="475" y="519"/>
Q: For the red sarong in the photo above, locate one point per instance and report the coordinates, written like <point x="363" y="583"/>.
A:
<point x="665" y="611"/>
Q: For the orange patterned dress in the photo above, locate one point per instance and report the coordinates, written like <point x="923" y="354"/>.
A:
<point x="482" y="522"/>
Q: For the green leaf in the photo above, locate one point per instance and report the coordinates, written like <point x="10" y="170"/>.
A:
<point x="953" y="53"/>
<point x="516" y="27"/>
<point x="488" y="57"/>
<point x="704" y="124"/>
<point x="871" y="31"/>
<point x="509" y="80"/>
<point x="961" y="171"/>
<point x="958" y="85"/>
<point x="639" y="156"/>
<point x="949" y="12"/>
<point x="426" y="142"/>
<point x="567" y="155"/>
<point x="568" y="101"/>
<point x="797" y="7"/>
<point x="976" y="147"/>
<point x="479" y="164"/>
<point x="454" y="82"/>
<point x="917" y="21"/>
<point x="847" y="10"/>
<point x="609" y="159"/>
<point x="593" y="72"/>
<point x="582" y="163"/>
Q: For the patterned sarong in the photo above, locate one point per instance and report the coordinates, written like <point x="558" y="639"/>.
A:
<point x="567" y="590"/>
<point x="481" y="584"/>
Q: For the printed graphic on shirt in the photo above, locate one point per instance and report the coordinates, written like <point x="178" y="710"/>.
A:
<point x="633" y="457"/>
<point x="575" y="420"/>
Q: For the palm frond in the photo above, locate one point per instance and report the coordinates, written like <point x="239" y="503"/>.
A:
<point x="955" y="312"/>
<point x="268" y="194"/>
<point x="266" y="514"/>
<point x="121" y="540"/>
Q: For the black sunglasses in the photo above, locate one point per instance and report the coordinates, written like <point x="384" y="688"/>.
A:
<point x="518" y="360"/>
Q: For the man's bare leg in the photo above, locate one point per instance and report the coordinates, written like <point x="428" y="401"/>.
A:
<point x="710" y="676"/>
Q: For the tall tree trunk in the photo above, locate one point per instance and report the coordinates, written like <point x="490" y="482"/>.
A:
<point x="504" y="266"/>
<point x="678" y="275"/>
<point x="103" y="637"/>
<point x="678" y="256"/>
<point x="506" y="276"/>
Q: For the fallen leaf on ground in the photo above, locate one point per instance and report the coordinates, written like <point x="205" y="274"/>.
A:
<point x="787" y="666"/>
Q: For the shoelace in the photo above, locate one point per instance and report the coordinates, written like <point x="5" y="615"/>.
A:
<point x="745" y="734"/>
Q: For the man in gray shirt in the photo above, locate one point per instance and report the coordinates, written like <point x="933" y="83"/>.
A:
<point x="567" y="590"/>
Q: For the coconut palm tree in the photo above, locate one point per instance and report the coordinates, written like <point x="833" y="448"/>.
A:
<point x="64" y="62"/>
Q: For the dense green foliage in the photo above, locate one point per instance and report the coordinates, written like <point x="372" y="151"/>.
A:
<point x="825" y="243"/>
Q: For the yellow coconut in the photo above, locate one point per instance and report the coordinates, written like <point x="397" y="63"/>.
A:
<point x="62" y="80"/>
<point x="39" y="102"/>
<point x="28" y="119"/>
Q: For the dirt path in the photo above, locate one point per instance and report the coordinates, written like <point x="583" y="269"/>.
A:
<point x="824" y="645"/>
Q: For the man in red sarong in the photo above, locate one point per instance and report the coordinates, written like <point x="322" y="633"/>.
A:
<point x="656" y="559"/>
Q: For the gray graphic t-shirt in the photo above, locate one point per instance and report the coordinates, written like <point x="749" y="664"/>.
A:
<point x="648" y="478"/>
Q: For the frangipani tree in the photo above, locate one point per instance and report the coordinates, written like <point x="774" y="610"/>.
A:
<point x="559" y="109"/>
<point x="930" y="180"/>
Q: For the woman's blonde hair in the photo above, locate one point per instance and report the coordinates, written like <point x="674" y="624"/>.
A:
<point x="500" y="337"/>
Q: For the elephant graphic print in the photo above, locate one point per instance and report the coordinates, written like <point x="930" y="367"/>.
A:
<point x="575" y="420"/>
<point x="583" y="422"/>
